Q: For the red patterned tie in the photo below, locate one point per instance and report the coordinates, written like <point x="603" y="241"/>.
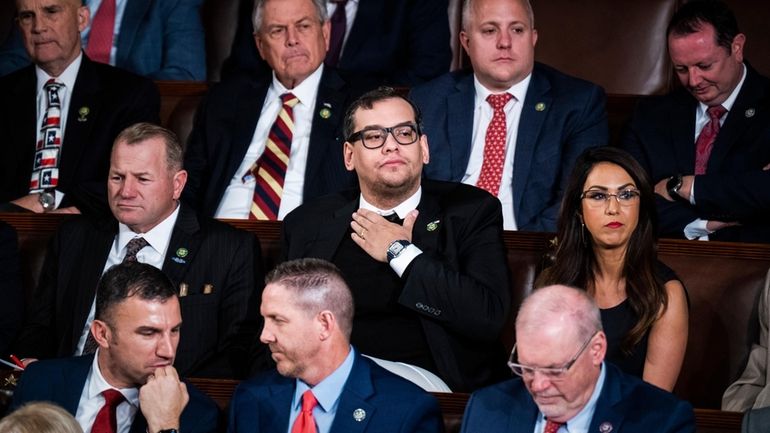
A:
<point x="45" y="170"/>
<point x="552" y="427"/>
<point x="102" y="33"/>
<point x="106" y="420"/>
<point x="494" y="145"/>
<point x="305" y="423"/>
<point x="708" y="135"/>
<point x="339" y="26"/>
<point x="270" y="169"/>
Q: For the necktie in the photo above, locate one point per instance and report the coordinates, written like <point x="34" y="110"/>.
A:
<point x="339" y="25"/>
<point x="102" y="32"/>
<point x="494" y="145"/>
<point x="393" y="218"/>
<point x="708" y="135"/>
<point x="270" y="168"/>
<point x="132" y="248"/>
<point x="305" y="423"/>
<point x="106" y="420"/>
<point x="552" y="427"/>
<point x="45" y="169"/>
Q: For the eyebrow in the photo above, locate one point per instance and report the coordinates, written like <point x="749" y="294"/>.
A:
<point x="620" y="188"/>
<point x="378" y="126"/>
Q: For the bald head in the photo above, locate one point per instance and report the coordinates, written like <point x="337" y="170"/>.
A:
<point x="561" y="307"/>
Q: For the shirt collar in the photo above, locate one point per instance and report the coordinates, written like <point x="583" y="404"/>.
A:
<point x="67" y="77"/>
<point x="158" y="237"/>
<point x="728" y="104"/>
<point x="518" y="90"/>
<point x="98" y="384"/>
<point x="582" y="421"/>
<point x="402" y="209"/>
<point x="305" y="91"/>
<point x="327" y="392"/>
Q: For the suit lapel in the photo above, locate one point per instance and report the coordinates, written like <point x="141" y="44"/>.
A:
<point x="321" y="146"/>
<point x="522" y="421"/>
<point x="186" y="235"/>
<point x="460" y="108"/>
<point x="530" y="124"/>
<point x="357" y="390"/>
<point x="428" y="225"/>
<point x="330" y="234"/>
<point x="276" y="414"/>
<point x="140" y="423"/>
<point x="611" y="407"/>
<point x="682" y="130"/>
<point x="74" y="375"/>
<point x="129" y="26"/>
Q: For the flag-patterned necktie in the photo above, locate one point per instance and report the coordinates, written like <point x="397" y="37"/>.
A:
<point x="45" y="169"/>
<point x="102" y="33"/>
<point x="106" y="419"/>
<point x="270" y="169"/>
<point x="494" y="145"/>
<point x="339" y="26"/>
<point x="305" y="423"/>
<point x="708" y="135"/>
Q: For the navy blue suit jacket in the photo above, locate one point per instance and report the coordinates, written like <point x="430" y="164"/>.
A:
<point x="391" y="404"/>
<point x="162" y="40"/>
<point x="398" y="42"/>
<point x="661" y="136"/>
<point x="224" y="126"/>
<point x="61" y="381"/>
<point x="625" y="402"/>
<point x="550" y="137"/>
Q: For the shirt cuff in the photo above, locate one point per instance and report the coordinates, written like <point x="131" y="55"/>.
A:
<point x="692" y="192"/>
<point x="400" y="263"/>
<point x="58" y="197"/>
<point x="697" y="230"/>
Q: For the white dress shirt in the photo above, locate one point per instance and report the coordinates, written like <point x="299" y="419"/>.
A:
<point x="91" y="401"/>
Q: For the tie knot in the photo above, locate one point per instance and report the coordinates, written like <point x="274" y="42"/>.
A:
<point x="552" y="426"/>
<point x="716" y="112"/>
<point x="289" y="99"/>
<point x="308" y="401"/>
<point x="498" y="101"/>
<point x="133" y="247"/>
<point x="112" y="397"/>
<point x="52" y="84"/>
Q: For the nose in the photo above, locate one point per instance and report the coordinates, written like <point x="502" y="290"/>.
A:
<point x="504" y="40"/>
<point x="266" y="336"/>
<point x="127" y="188"/>
<point x="292" y="36"/>
<point x="693" y="77"/>
<point x="613" y="205"/>
<point x="166" y="347"/>
<point x="539" y="382"/>
<point x="391" y="144"/>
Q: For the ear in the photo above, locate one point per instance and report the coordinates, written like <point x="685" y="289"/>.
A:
<point x="328" y="324"/>
<point x="464" y="40"/>
<point x="347" y="153"/>
<point x="425" y="149"/>
<point x="258" y="41"/>
<point x="598" y="348"/>
<point x="179" y="181"/>
<point x="737" y="46"/>
<point x="101" y="332"/>
<point x="534" y="37"/>
<point x="326" y="32"/>
<point x="84" y="16"/>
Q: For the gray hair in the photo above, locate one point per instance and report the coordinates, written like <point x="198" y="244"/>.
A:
<point x="259" y="8"/>
<point x="40" y="417"/>
<point x="141" y="132"/>
<point x="467" y="12"/>
<point x="544" y="304"/>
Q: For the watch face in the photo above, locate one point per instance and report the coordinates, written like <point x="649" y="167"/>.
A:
<point x="47" y="200"/>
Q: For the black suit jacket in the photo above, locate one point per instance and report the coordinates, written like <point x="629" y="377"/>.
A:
<point x="458" y="287"/>
<point x="105" y="101"/>
<point x="11" y="290"/>
<point x="396" y="42"/>
<point x="224" y="127"/>
<point x="218" y="335"/>
<point x="661" y="135"/>
<point x="61" y="381"/>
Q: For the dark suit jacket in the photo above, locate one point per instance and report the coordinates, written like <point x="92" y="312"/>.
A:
<point x="391" y="404"/>
<point x="104" y="102"/>
<point x="661" y="135"/>
<point x="548" y="141"/>
<point x="11" y="290"/>
<point x="397" y="42"/>
<point x="224" y="127"/>
<point x="61" y="381"/>
<point x="625" y="402"/>
<point x="756" y="420"/>
<point x="218" y="335"/>
<point x="162" y="40"/>
<point x="458" y="286"/>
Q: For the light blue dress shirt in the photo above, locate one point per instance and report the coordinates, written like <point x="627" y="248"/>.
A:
<point x="581" y="422"/>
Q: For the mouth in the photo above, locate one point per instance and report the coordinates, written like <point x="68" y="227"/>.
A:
<point x="614" y="225"/>
<point x="393" y="163"/>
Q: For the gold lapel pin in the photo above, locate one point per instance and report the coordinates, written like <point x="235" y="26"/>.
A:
<point x="540" y="106"/>
<point x="183" y="288"/>
<point x="750" y="112"/>
<point x="433" y="225"/>
<point x="83" y="113"/>
<point x="208" y="289"/>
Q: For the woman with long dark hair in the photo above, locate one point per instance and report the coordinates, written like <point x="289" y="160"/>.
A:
<point x="607" y="246"/>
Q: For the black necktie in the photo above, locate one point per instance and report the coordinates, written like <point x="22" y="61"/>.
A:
<point x="394" y="218"/>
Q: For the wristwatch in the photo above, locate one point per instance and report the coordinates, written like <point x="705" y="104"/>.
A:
<point x="673" y="186"/>
<point x="396" y="248"/>
<point x="47" y="199"/>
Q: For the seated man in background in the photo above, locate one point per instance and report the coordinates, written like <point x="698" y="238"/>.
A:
<point x="162" y="40"/>
<point x="130" y="382"/>
<point x="260" y="146"/>
<point x="705" y="145"/>
<point x="425" y="259"/>
<point x="322" y="384"/>
<point x="512" y="127"/>
<point x="752" y="389"/>
<point x="215" y="267"/>
<point x="396" y="42"/>
<point x="556" y="393"/>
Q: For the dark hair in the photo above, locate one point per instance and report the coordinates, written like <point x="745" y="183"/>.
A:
<point x="691" y="17"/>
<point x="127" y="279"/>
<point x="143" y="131"/>
<point x="575" y="262"/>
<point x="367" y="101"/>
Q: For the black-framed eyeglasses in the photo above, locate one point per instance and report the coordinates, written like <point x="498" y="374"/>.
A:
<point x="599" y="198"/>
<point x="552" y="373"/>
<point x="374" y="137"/>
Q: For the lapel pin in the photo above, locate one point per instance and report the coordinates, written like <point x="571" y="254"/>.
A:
<point x="208" y="288"/>
<point x="750" y="112"/>
<point x="83" y="114"/>
<point x="183" y="287"/>
<point x="178" y="260"/>
<point x="605" y="427"/>
<point x="326" y="111"/>
<point x="433" y="225"/>
<point x="359" y="414"/>
<point x="182" y="252"/>
<point x="540" y="106"/>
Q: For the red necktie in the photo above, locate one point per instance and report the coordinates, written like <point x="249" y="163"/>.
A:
<point x="106" y="420"/>
<point x="270" y="168"/>
<point x="552" y="427"/>
<point x="305" y="423"/>
<point x="708" y="135"/>
<point x="102" y="33"/>
<point x="494" y="145"/>
<point x="45" y="169"/>
<point x="339" y="25"/>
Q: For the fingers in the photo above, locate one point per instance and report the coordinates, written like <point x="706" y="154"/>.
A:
<point x="411" y="217"/>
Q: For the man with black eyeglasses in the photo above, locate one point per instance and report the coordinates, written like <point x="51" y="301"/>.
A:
<point x="564" y="385"/>
<point x="425" y="260"/>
